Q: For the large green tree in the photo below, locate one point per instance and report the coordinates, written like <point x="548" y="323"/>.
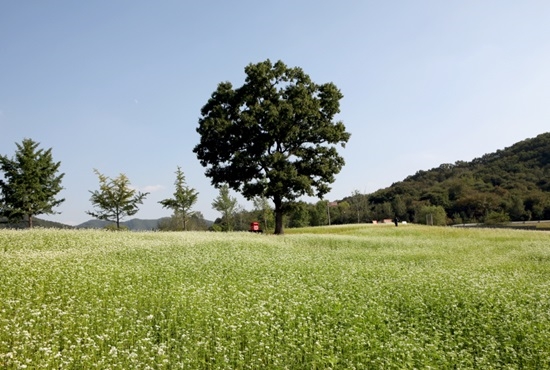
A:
<point x="115" y="199"/>
<point x="31" y="183"/>
<point x="182" y="202"/>
<point x="275" y="136"/>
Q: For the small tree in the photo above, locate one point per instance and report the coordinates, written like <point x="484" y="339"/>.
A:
<point x="184" y="199"/>
<point x="115" y="199"/>
<point x="30" y="183"/>
<point x="226" y="205"/>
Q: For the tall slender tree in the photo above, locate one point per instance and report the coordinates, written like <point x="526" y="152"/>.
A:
<point x="115" y="199"/>
<point x="226" y="205"/>
<point x="31" y="183"/>
<point x="184" y="199"/>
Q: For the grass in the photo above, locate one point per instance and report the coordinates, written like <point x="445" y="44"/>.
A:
<point x="344" y="297"/>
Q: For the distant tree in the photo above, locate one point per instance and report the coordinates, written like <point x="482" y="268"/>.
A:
<point x="264" y="210"/>
<point x="197" y="222"/>
<point x="173" y="223"/>
<point x="344" y="215"/>
<point x="275" y="136"/>
<point x="359" y="204"/>
<point x="494" y="218"/>
<point x="30" y="183"/>
<point x="432" y="215"/>
<point x="115" y="199"/>
<point x="383" y="211"/>
<point x="399" y="207"/>
<point x="184" y="199"/>
<point x="299" y="215"/>
<point x="517" y="210"/>
<point x="227" y="206"/>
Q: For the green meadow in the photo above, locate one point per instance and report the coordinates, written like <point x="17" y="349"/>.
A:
<point x="343" y="297"/>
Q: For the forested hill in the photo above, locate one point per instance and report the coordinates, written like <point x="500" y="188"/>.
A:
<point x="512" y="183"/>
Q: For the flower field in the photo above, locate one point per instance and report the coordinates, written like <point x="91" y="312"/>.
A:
<point x="348" y="297"/>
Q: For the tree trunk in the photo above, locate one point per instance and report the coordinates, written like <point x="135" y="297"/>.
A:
<point x="278" y="216"/>
<point x="30" y="221"/>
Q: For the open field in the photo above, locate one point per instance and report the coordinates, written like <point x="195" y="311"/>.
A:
<point x="355" y="296"/>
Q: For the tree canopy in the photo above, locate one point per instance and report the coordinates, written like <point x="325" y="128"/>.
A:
<point x="275" y="136"/>
<point x="115" y="199"/>
<point x="31" y="183"/>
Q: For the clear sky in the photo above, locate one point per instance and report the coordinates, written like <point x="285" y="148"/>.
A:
<point x="118" y="85"/>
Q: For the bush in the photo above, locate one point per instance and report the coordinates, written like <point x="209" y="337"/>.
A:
<point x="432" y="215"/>
<point x="494" y="218"/>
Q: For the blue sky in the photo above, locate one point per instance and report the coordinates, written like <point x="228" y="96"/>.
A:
<point x="118" y="85"/>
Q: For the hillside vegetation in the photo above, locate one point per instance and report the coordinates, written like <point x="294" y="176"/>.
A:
<point x="510" y="184"/>
<point x="345" y="297"/>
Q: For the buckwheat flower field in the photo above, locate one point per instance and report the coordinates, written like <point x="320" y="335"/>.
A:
<point x="361" y="297"/>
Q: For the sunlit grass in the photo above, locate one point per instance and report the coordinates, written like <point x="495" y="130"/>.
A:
<point x="361" y="296"/>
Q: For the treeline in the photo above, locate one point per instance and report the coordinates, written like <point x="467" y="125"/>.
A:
<point x="512" y="184"/>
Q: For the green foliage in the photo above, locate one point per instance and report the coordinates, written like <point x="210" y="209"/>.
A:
<point x="184" y="199"/>
<point x="494" y="218"/>
<point x="348" y="297"/>
<point x="30" y="183"/>
<point x="114" y="227"/>
<point x="359" y="206"/>
<point x="216" y="228"/>
<point x="195" y="222"/>
<point x="275" y="136"/>
<point x="227" y="206"/>
<point x="432" y="215"/>
<point x="299" y="215"/>
<point x="264" y="212"/>
<point x="514" y="181"/>
<point x="318" y="213"/>
<point x="115" y="199"/>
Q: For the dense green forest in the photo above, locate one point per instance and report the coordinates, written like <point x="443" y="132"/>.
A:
<point x="512" y="184"/>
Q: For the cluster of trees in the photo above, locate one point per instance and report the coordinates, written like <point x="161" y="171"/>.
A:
<point x="512" y="184"/>
<point x="273" y="138"/>
<point x="31" y="183"/>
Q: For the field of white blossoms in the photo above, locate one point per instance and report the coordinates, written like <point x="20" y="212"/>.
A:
<point x="342" y="298"/>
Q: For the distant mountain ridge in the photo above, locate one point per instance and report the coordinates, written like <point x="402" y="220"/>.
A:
<point x="135" y="224"/>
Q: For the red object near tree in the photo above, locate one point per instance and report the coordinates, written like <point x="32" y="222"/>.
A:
<point x="255" y="227"/>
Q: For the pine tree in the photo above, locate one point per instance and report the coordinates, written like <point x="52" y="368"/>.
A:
<point x="30" y="183"/>
<point x="184" y="199"/>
